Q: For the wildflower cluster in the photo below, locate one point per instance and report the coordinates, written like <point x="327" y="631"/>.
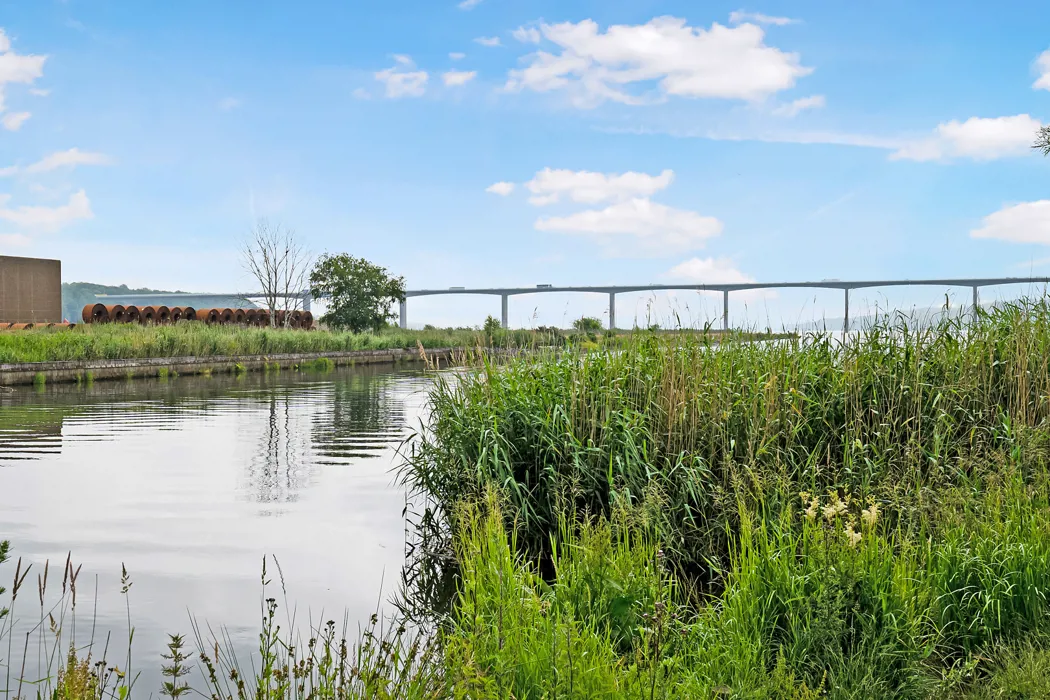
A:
<point x="838" y="508"/>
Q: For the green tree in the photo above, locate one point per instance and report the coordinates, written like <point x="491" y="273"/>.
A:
<point x="1042" y="140"/>
<point x="587" y="324"/>
<point x="359" y="293"/>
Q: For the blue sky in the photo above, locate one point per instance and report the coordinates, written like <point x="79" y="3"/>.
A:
<point x="515" y="143"/>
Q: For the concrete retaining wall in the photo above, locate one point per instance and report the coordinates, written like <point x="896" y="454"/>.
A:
<point x="72" y="371"/>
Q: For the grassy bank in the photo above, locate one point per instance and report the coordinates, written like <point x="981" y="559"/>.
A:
<point x="127" y="341"/>
<point x="857" y="519"/>
<point x="110" y="342"/>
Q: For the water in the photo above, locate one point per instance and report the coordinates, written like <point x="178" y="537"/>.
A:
<point x="190" y="482"/>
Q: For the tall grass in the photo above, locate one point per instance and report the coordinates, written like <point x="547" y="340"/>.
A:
<point x="897" y="413"/>
<point x="111" y="342"/>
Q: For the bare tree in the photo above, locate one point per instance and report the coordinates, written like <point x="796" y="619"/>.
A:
<point x="276" y="259"/>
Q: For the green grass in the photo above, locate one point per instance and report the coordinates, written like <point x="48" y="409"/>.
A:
<point x="923" y="456"/>
<point x="110" y="342"/>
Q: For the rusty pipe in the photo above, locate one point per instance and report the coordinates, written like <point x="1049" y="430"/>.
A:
<point x="307" y="320"/>
<point x="239" y="316"/>
<point x="208" y="316"/>
<point x="163" y="314"/>
<point x="147" y="315"/>
<point x="132" y="314"/>
<point x="115" y="313"/>
<point x="94" y="313"/>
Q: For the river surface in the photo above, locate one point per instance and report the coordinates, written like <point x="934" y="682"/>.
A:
<point x="190" y="482"/>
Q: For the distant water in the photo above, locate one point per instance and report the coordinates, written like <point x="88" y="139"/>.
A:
<point x="190" y="482"/>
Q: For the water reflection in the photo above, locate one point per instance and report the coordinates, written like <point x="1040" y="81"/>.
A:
<point x="189" y="482"/>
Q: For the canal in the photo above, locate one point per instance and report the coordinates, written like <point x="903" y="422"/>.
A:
<point x="189" y="482"/>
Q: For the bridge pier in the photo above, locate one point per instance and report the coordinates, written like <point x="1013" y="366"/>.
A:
<point x="503" y="310"/>
<point x="404" y="313"/>
<point x="306" y="301"/>
<point x="975" y="300"/>
<point x="612" y="311"/>
<point x="845" y="318"/>
<point x="725" y="310"/>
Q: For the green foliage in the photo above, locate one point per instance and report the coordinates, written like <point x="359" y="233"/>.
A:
<point x="491" y="327"/>
<point x="39" y="379"/>
<point x="163" y="373"/>
<point x="359" y="293"/>
<point x="588" y="324"/>
<point x="176" y="669"/>
<point x="112" y="342"/>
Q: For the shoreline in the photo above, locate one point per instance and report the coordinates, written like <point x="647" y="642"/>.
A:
<point x="69" y="371"/>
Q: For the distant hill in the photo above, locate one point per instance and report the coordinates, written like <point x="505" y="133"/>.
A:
<point x="76" y="295"/>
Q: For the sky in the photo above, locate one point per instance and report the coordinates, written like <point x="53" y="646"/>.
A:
<point x="490" y="143"/>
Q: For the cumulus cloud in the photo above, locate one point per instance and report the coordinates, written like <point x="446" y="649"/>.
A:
<point x="549" y="186"/>
<point x="527" y="35"/>
<point x="977" y="138"/>
<point x="792" y="108"/>
<point x="489" y="41"/>
<point x="16" y="68"/>
<point x="740" y="17"/>
<point x="453" y="78"/>
<point x="707" y="271"/>
<point x="501" y="188"/>
<point x="1042" y="66"/>
<point x="68" y="159"/>
<point x="13" y="121"/>
<point x="457" y="56"/>
<point x="48" y="218"/>
<point x="1027" y="222"/>
<point x="638" y="226"/>
<point x="593" y="67"/>
<point x="401" y="80"/>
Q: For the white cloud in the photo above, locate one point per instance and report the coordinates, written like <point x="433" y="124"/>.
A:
<point x="48" y="218"/>
<point x="68" y="159"/>
<point x="13" y="121"/>
<point x="489" y="41"/>
<point x="361" y="94"/>
<point x="707" y="271"/>
<point x="458" y="77"/>
<point x="229" y="103"/>
<point x="39" y="92"/>
<point x="549" y="185"/>
<point x="740" y="17"/>
<point x="527" y="35"/>
<point x="469" y="4"/>
<point x="1027" y="222"/>
<point x="401" y="80"/>
<point x="803" y="103"/>
<point x="721" y="62"/>
<point x="638" y="226"/>
<point x="16" y="68"/>
<point x="457" y="56"/>
<point x="977" y="138"/>
<point x="9" y="171"/>
<point x="14" y="240"/>
<point x="1042" y="64"/>
<point x="501" y="188"/>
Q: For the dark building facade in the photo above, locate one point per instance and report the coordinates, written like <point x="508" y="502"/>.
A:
<point x="30" y="290"/>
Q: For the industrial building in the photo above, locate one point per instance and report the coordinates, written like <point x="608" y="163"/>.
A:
<point x="30" y="290"/>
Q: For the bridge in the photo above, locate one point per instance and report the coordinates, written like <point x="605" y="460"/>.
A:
<point x="974" y="283"/>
